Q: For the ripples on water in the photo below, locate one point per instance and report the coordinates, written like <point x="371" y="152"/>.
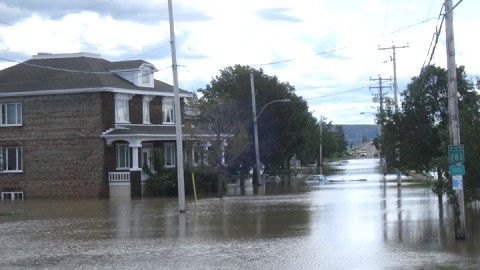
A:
<point x="346" y="225"/>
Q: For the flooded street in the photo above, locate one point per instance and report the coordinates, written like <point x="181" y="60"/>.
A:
<point x="347" y="224"/>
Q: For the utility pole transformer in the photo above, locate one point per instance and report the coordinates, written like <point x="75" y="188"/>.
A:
<point x="459" y="205"/>
<point x="395" y="90"/>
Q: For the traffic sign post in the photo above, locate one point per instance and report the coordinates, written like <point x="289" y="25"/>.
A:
<point x="457" y="182"/>
<point x="456" y="154"/>
<point x="456" y="170"/>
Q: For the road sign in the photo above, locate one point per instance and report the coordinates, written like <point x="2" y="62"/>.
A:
<point x="457" y="182"/>
<point x="456" y="154"/>
<point x="456" y="169"/>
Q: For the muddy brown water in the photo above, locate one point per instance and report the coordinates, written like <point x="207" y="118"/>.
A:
<point x="347" y="224"/>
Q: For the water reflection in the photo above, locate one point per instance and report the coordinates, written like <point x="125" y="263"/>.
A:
<point x="370" y="224"/>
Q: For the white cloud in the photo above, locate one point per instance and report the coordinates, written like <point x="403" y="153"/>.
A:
<point x="214" y="34"/>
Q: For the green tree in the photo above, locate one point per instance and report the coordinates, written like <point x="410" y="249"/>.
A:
<point x="161" y="180"/>
<point x="421" y="127"/>
<point x="284" y="129"/>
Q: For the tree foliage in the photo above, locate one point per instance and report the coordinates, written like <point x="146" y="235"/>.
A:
<point x="420" y="129"/>
<point x="217" y="123"/>
<point x="284" y="129"/>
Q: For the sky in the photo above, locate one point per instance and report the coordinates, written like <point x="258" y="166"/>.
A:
<point x="332" y="51"/>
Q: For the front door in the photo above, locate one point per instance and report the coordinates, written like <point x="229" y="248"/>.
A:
<point x="147" y="158"/>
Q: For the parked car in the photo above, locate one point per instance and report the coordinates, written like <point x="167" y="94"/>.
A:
<point x="316" y="179"/>
<point x="270" y="178"/>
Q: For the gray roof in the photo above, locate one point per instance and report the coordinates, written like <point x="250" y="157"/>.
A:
<point x="142" y="130"/>
<point x="125" y="65"/>
<point x="72" y="73"/>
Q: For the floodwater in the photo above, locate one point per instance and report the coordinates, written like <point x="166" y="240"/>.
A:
<point x="347" y="224"/>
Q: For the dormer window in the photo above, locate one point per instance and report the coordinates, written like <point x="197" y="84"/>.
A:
<point x="121" y="108"/>
<point x="146" y="76"/>
<point x="138" y="72"/>
<point x="168" y="111"/>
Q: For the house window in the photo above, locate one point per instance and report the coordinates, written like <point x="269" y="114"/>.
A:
<point x="11" y="159"/>
<point x="169" y="154"/>
<point x="146" y="112"/>
<point x="123" y="156"/>
<point x="11" y="114"/>
<point x="146" y="109"/>
<point x="145" y="76"/>
<point x="121" y="111"/>
<point x="168" y="111"/>
<point x="121" y="107"/>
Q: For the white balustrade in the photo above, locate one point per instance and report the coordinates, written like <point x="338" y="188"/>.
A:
<point x="119" y="176"/>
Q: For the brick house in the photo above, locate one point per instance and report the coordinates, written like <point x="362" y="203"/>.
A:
<point x="77" y="125"/>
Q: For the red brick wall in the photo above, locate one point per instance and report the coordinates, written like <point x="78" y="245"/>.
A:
<point x="63" y="153"/>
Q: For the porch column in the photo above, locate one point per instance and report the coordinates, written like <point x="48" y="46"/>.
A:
<point x="135" y="145"/>
<point x="136" y="171"/>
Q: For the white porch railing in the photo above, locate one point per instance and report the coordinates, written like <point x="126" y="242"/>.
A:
<point x="119" y="176"/>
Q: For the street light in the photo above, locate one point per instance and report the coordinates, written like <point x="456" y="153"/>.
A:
<point x="255" y="127"/>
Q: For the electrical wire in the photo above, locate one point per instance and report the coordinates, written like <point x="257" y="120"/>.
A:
<point x="338" y="93"/>
<point x="79" y="10"/>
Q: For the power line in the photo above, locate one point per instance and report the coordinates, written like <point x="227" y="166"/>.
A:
<point x="334" y="94"/>
<point x="333" y="50"/>
<point x="81" y="9"/>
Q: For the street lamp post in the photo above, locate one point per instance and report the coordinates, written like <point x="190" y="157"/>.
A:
<point x="255" y="126"/>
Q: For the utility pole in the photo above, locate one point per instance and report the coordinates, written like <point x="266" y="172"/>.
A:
<point x="395" y="85"/>
<point x="380" y="99"/>
<point x="459" y="205"/>
<point x="258" y="180"/>
<point x="178" y="116"/>
<point x="321" y="139"/>
<point x="395" y="90"/>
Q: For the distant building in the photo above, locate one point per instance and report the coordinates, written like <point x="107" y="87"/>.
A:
<point x="78" y="125"/>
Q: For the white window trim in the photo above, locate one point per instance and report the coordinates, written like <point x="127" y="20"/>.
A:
<point x="173" y="153"/>
<point x="17" y="156"/>
<point x="146" y="108"/>
<point x="127" y="157"/>
<point x="146" y="73"/>
<point x="167" y="102"/>
<point x="18" y="114"/>
<point x="124" y="98"/>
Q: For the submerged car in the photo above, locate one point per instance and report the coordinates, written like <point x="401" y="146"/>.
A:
<point x="316" y="179"/>
<point x="269" y="178"/>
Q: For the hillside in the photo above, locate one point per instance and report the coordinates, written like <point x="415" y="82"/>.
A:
<point x="356" y="133"/>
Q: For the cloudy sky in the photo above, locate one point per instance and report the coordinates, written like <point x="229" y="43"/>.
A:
<point x="327" y="49"/>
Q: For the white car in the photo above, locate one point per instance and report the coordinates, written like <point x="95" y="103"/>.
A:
<point x="316" y="179"/>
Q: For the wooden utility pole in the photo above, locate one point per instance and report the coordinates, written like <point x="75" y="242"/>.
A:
<point x="258" y="179"/>
<point x="459" y="205"/>
<point x="320" y="165"/>
<point x="383" y="161"/>
<point x="178" y="116"/>
<point x="395" y="85"/>
<point x="395" y="90"/>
